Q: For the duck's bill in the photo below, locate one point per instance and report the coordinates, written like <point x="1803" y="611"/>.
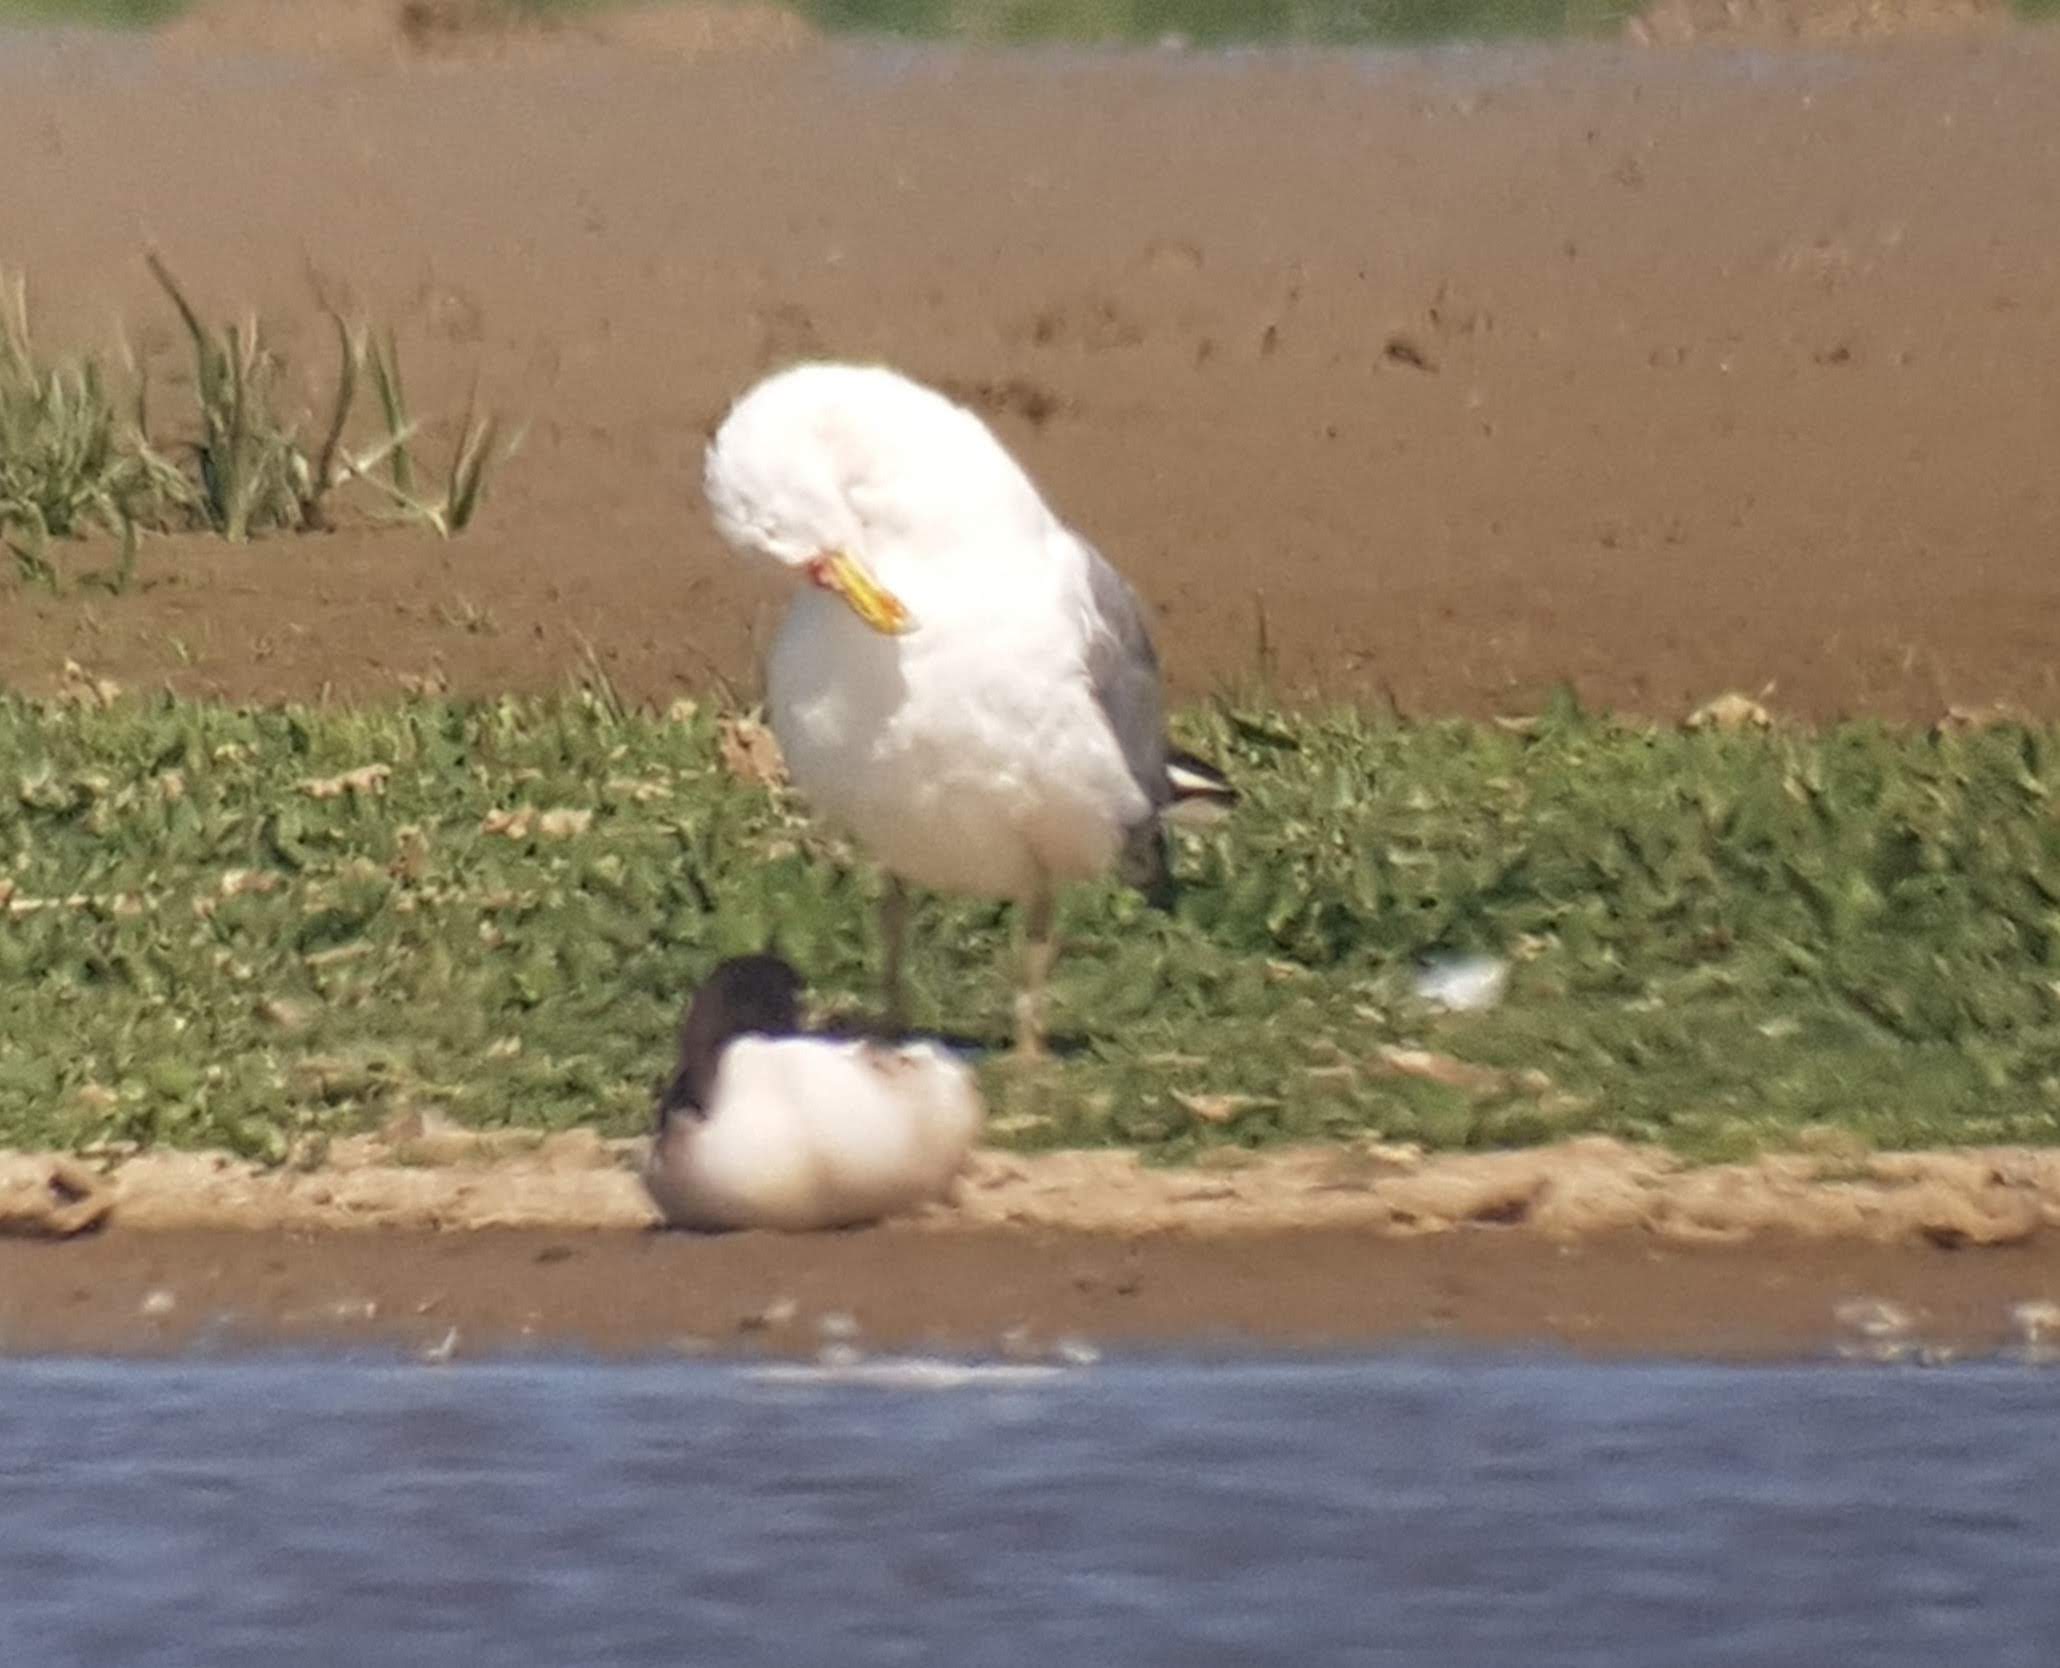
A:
<point x="866" y="597"/>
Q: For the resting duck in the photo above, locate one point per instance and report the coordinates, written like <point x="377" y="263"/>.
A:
<point x="762" y="1126"/>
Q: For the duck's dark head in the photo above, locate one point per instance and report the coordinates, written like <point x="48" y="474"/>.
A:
<point x="744" y="996"/>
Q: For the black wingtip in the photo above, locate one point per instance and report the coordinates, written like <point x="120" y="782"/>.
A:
<point x="1193" y="779"/>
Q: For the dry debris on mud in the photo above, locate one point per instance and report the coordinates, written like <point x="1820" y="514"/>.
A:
<point x="435" y="1175"/>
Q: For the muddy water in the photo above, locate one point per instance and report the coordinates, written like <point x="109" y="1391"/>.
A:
<point x="1388" y="1510"/>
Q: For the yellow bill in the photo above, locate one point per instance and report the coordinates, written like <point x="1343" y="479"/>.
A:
<point x="871" y="601"/>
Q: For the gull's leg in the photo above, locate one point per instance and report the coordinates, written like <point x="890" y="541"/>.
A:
<point x="1040" y="950"/>
<point x="894" y="937"/>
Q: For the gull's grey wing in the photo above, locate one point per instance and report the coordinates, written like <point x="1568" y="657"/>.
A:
<point x="1123" y="668"/>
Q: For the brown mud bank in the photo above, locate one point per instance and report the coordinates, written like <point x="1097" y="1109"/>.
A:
<point x="1591" y="1246"/>
<point x="1019" y="1293"/>
<point x="1441" y="377"/>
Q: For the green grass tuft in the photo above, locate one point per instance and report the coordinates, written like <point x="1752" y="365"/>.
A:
<point x="254" y="927"/>
<point x="473" y="454"/>
<point x="70" y="461"/>
<point x="76" y="457"/>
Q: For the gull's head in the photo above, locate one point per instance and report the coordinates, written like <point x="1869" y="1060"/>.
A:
<point x="864" y="482"/>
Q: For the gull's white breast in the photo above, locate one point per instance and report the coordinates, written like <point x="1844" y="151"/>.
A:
<point x="810" y="1132"/>
<point x="970" y="755"/>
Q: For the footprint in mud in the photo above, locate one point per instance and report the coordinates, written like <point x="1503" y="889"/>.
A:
<point x="1170" y="258"/>
<point x="1014" y="396"/>
<point x="1096" y="323"/>
<point x="786" y="332"/>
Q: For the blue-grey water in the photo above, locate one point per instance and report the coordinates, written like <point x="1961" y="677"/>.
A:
<point x="1390" y="1511"/>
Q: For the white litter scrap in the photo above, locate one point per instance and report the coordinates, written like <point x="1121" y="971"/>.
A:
<point x="2037" y="1330"/>
<point x="1463" y="984"/>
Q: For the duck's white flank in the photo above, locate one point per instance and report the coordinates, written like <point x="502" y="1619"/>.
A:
<point x="805" y="1133"/>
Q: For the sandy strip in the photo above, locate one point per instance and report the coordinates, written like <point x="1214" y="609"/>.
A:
<point x="452" y="1179"/>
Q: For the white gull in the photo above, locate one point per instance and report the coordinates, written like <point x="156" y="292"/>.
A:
<point x="969" y="689"/>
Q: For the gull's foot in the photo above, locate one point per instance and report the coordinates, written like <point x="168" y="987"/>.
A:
<point x="893" y="1023"/>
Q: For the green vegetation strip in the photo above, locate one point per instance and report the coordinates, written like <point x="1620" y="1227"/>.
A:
<point x="259" y="928"/>
<point x="1205" y="22"/>
<point x="1202" y="21"/>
